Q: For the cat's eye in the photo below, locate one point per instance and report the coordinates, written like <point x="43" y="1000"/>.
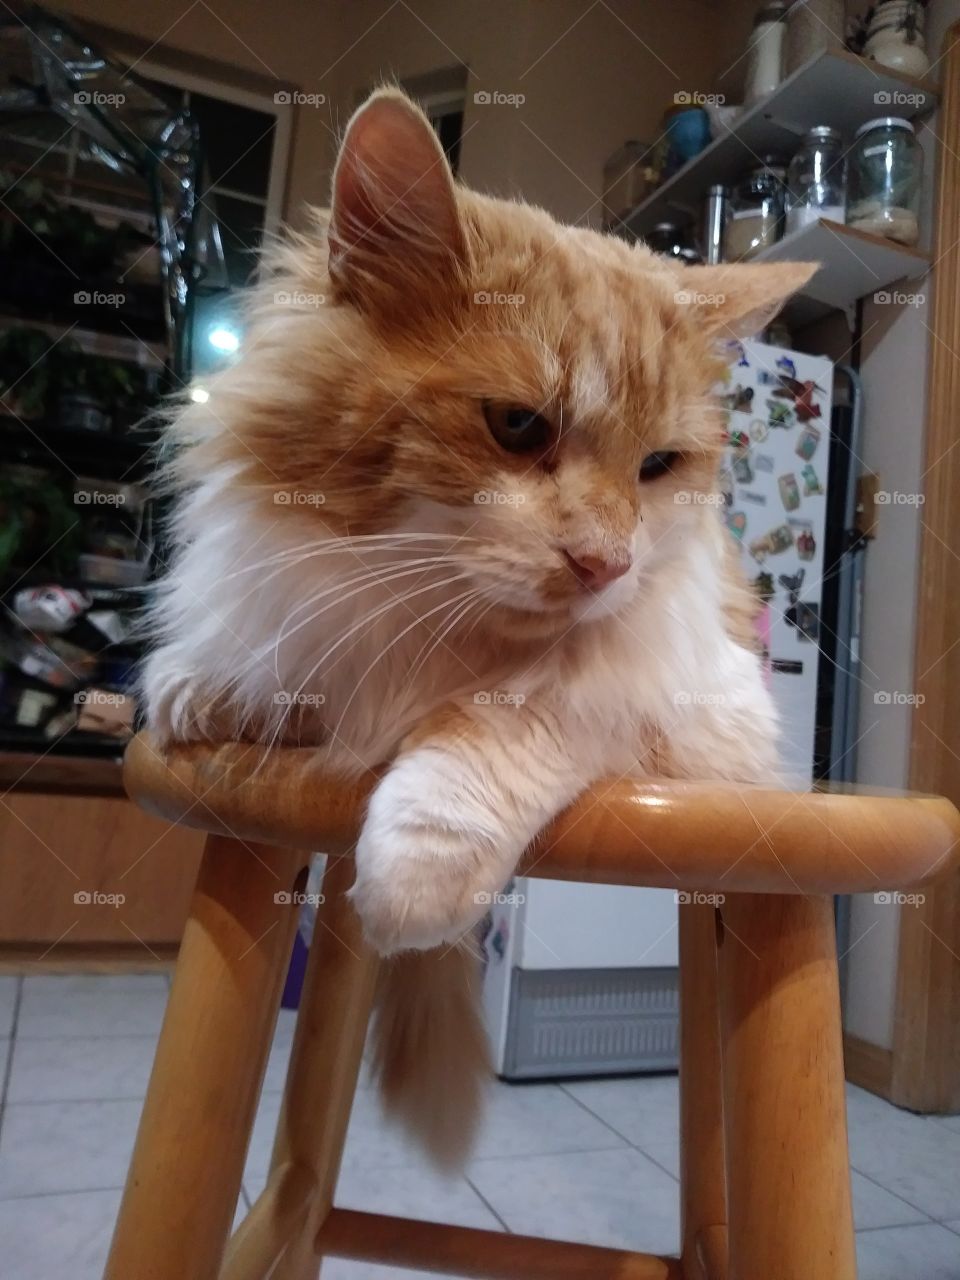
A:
<point x="516" y="428"/>
<point x="659" y="463"/>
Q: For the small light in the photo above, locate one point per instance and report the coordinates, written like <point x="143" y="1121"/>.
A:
<point x="199" y="395"/>
<point x="224" y="339"/>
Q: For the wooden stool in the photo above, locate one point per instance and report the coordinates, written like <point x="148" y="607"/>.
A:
<point x="765" y="1182"/>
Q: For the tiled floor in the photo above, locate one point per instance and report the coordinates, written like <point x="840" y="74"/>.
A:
<point x="593" y="1161"/>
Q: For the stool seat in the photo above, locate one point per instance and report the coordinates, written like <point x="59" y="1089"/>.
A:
<point x="685" y="836"/>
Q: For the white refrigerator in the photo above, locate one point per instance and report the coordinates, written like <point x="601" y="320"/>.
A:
<point x="582" y="979"/>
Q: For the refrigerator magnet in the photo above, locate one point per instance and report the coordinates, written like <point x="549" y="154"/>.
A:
<point x="737" y="524"/>
<point x="789" y="491"/>
<point x="780" y="414"/>
<point x="805" y="618"/>
<point x="758" y="431"/>
<point x="811" y="481"/>
<point x="742" y="469"/>
<point x="764" y="587"/>
<point x="764" y="462"/>
<point x="803" y="539"/>
<point x="772" y="543"/>
<point x="759" y="499"/>
<point x="807" y="442"/>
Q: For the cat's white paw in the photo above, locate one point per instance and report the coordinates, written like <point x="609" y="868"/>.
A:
<point x="419" y="887"/>
<point x="426" y="865"/>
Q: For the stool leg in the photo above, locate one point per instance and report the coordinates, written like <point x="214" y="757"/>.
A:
<point x="324" y="1064"/>
<point x="187" y="1164"/>
<point x="703" y="1198"/>
<point x="788" y="1172"/>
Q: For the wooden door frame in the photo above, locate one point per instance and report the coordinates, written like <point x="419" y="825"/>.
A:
<point x="925" y="1069"/>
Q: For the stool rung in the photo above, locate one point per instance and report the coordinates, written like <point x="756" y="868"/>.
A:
<point x="275" y="1219"/>
<point x="488" y="1255"/>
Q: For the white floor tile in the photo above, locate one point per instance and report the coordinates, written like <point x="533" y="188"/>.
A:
<point x="908" y="1253"/>
<point x="915" y="1157"/>
<point x="103" y="983"/>
<point x="60" y="1235"/>
<point x="953" y="1226"/>
<point x="643" y="1109"/>
<point x="8" y="1001"/>
<point x="92" y="1005"/>
<point x="616" y="1198"/>
<point x="4" y="1055"/>
<point x="81" y="1069"/>
<point x="875" y="1207"/>
<point x="341" y="1269"/>
<point x="415" y="1191"/>
<point x="49" y="1147"/>
<point x="952" y="1122"/>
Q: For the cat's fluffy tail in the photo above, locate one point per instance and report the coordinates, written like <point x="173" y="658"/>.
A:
<point x="430" y="1049"/>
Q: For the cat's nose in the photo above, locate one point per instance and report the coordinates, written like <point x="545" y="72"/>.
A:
<point x="598" y="571"/>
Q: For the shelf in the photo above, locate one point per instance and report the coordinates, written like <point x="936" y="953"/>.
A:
<point x="129" y="457"/>
<point x="834" y="87"/>
<point x="853" y="264"/>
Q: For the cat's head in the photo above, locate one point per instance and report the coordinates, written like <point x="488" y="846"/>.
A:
<point x="477" y="368"/>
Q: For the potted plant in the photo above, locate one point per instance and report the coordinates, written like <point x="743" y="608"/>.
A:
<point x="24" y="371"/>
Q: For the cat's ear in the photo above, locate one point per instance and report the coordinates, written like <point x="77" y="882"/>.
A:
<point x="737" y="300"/>
<point x="395" y="228"/>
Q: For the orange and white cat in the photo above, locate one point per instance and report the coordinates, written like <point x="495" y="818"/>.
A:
<point x="454" y="509"/>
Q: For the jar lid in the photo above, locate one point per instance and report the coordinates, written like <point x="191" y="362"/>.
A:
<point x="886" y="122"/>
<point x="775" y="11"/>
<point x="823" y="133"/>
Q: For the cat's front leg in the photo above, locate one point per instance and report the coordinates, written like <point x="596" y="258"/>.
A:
<point x="446" y="826"/>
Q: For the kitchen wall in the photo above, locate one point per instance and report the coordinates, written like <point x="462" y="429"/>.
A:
<point x="590" y="77"/>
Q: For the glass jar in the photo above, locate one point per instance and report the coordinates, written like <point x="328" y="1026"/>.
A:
<point x="815" y="179"/>
<point x="627" y="179"/>
<point x="895" y="37"/>
<point x="883" y="186"/>
<point x="756" y="215"/>
<point x="765" y="52"/>
<point x="674" y="241"/>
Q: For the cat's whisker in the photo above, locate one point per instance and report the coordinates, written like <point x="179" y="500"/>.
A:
<point x="366" y="580"/>
<point x="340" y="545"/>
<point x="418" y="621"/>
